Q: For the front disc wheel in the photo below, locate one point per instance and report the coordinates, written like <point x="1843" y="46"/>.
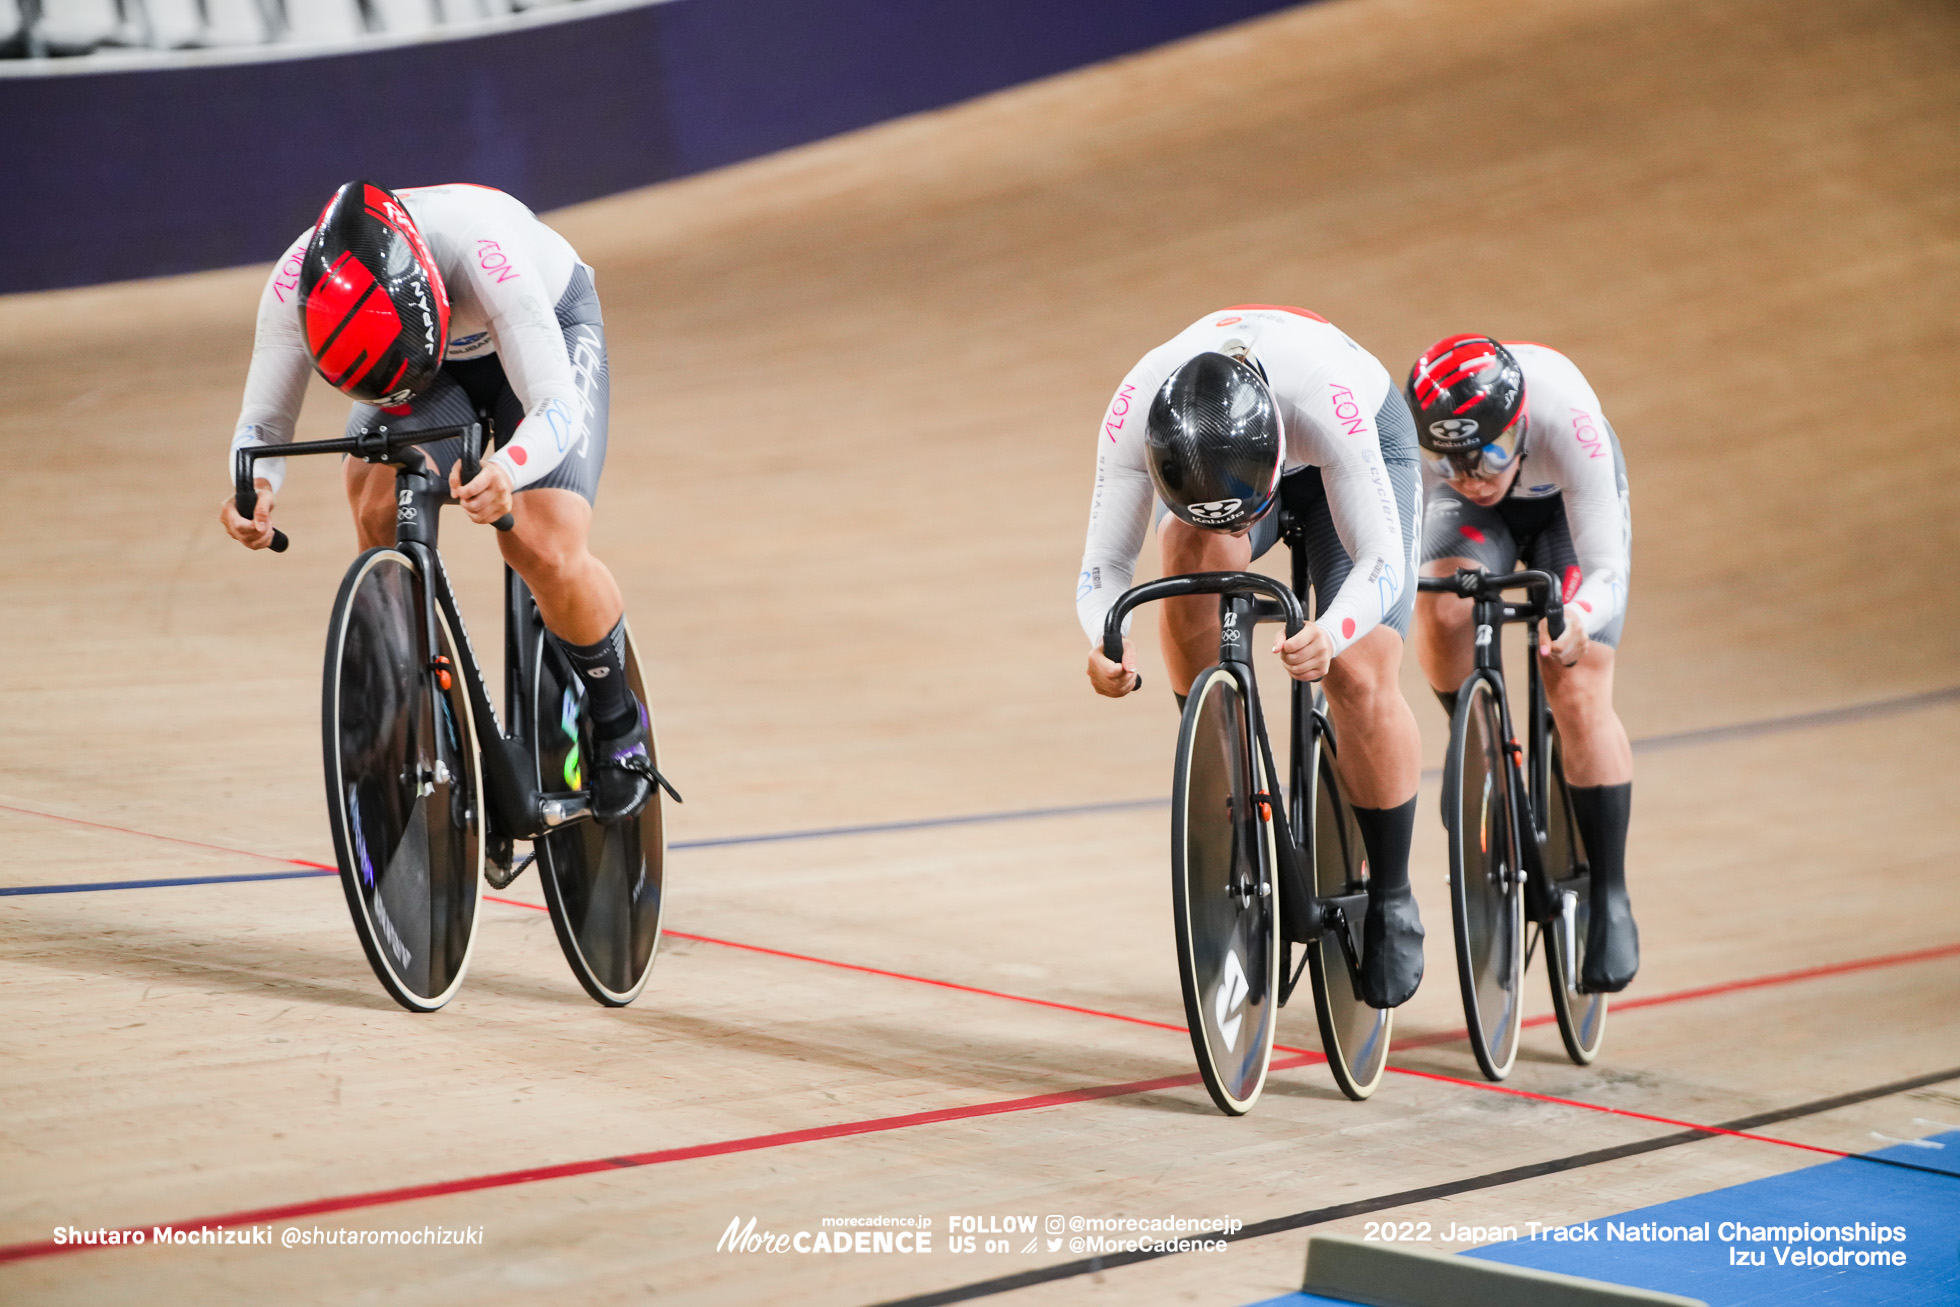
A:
<point x="1222" y="888"/>
<point x="404" y="782"/>
<point x="1486" y="878"/>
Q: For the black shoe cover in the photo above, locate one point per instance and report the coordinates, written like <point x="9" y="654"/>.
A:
<point x="1612" y="943"/>
<point x="1391" y="948"/>
<point x="622" y="779"/>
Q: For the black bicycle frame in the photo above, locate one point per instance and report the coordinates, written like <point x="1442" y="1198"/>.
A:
<point x="1489" y="614"/>
<point x="518" y="808"/>
<point x="1238" y="613"/>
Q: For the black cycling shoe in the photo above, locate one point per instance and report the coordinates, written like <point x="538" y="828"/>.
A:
<point x="623" y="777"/>
<point x="1612" y="943"/>
<point x="1391" y="948"/>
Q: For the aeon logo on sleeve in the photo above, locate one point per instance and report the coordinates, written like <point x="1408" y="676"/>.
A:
<point x="1453" y="428"/>
<point x="1119" y="411"/>
<point x="1218" y="510"/>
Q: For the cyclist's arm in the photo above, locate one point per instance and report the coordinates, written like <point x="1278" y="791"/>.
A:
<point x="517" y="301"/>
<point x="1581" y="453"/>
<point x="1119" y="510"/>
<point x="1340" y="437"/>
<point x="275" y="385"/>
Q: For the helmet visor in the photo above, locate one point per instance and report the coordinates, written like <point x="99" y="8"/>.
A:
<point x="1480" y="461"/>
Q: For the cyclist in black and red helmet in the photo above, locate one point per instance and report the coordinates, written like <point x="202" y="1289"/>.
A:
<point x="1244" y="410"/>
<point x="1526" y="468"/>
<point x="431" y="306"/>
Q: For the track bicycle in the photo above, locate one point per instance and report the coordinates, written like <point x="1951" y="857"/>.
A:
<point x="427" y="793"/>
<point x="1516" y="859"/>
<point x="1252" y="872"/>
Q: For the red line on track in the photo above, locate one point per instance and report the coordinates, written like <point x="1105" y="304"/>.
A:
<point x="1296" y="1058"/>
<point x="1615" y="1111"/>
<point x="529" y="1175"/>
<point x="1724" y="987"/>
<point x="894" y="975"/>
<point x="169" y="839"/>
<point x="1301" y="1056"/>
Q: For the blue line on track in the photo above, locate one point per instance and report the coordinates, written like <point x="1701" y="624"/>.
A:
<point x="1677" y="739"/>
<point x="160" y="884"/>
<point x="924" y="823"/>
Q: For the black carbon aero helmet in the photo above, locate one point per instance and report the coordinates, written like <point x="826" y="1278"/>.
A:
<point x="371" y="300"/>
<point x="1468" y="397"/>
<point x="1215" y="443"/>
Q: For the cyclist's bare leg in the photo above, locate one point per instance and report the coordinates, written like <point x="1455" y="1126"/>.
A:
<point x="1380" y="756"/>
<point x="1190" y="624"/>
<point x="576" y="594"/>
<point x="1442" y="631"/>
<point x="1593" y="740"/>
<point x="371" y="497"/>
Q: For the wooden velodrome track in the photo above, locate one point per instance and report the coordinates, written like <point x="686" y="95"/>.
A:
<point x="855" y="393"/>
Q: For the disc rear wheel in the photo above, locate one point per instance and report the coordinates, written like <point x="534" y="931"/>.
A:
<point x="1581" y="1015"/>
<point x="603" y="881"/>
<point x="1222" y="879"/>
<point x="1354" y="1036"/>
<point x="404" y="784"/>
<point x="1486" y="902"/>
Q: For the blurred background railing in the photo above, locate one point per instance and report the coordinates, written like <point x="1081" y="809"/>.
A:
<point x="44" y="29"/>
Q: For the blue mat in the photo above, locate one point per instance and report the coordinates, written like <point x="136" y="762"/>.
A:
<point x="1842" y="1193"/>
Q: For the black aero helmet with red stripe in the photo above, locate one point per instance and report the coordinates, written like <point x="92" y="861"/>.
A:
<point x="371" y="300"/>
<point x="1214" y="443"/>
<point x="1468" y="397"/>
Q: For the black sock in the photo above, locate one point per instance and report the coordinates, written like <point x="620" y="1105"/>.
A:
<point x="1386" y="832"/>
<point x="1602" y="812"/>
<point x="602" y="667"/>
<point x="1448" y="699"/>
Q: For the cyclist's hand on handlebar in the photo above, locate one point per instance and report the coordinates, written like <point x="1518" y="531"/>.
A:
<point x="1113" y="679"/>
<point x="253" y="533"/>
<point x="485" y="499"/>
<point x="1307" y="653"/>
<point x="1570" y="647"/>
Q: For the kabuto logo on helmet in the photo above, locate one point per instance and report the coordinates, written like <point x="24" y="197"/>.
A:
<point x="1219" y="510"/>
<point x="372" y="303"/>
<point x="1467" y="392"/>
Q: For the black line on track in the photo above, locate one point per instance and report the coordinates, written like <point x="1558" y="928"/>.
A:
<point x="1448" y="1189"/>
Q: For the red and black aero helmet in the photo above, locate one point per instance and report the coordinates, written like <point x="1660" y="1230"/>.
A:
<point x="1214" y="443"/>
<point x="1468" y="397"/>
<point x="371" y="299"/>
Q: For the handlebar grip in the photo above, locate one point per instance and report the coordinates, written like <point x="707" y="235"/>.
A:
<point x="472" y="466"/>
<point x="1554" y="617"/>
<point x="279" y="541"/>
<point x="472" y="452"/>
<point x="1113" y="643"/>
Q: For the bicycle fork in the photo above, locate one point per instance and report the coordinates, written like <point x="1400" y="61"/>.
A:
<point x="517" y="807"/>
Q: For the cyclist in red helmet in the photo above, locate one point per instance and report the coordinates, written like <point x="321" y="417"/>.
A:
<point x="428" y="307"/>
<point x="1523" y="466"/>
